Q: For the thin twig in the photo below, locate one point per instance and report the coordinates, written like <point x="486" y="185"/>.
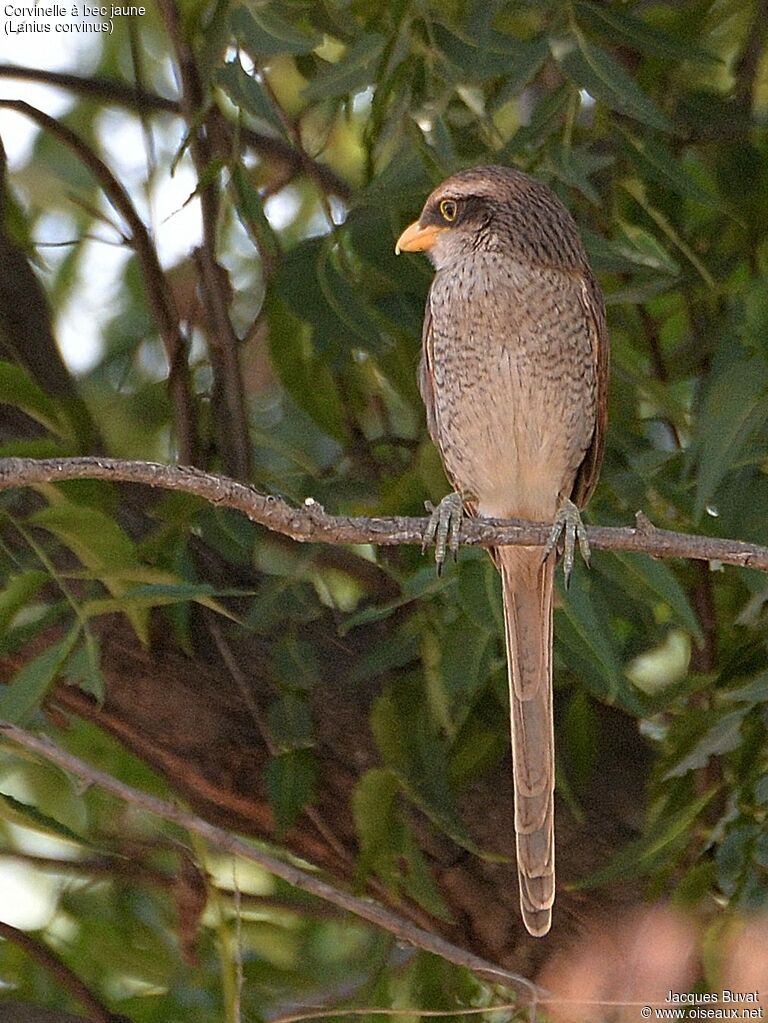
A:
<point x="118" y="868"/>
<point x="223" y="342"/>
<point x="365" y="909"/>
<point x="59" y="970"/>
<point x="748" y="64"/>
<point x="312" y="523"/>
<point x="159" y="294"/>
<point x="246" y="691"/>
<point x="134" y="98"/>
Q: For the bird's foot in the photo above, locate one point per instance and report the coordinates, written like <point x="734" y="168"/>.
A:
<point x="568" y="524"/>
<point x="444" y="527"/>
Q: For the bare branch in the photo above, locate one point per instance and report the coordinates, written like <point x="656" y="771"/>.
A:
<point x="159" y="294"/>
<point x="136" y="98"/>
<point x="366" y="909"/>
<point x="223" y="341"/>
<point x="59" y="970"/>
<point x="312" y="524"/>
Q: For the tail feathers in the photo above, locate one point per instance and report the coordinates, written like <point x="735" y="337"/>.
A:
<point x="528" y="585"/>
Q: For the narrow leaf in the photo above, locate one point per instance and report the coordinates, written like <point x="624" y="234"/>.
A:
<point x="19" y="591"/>
<point x="29" y="686"/>
<point x="410" y="747"/>
<point x="643" y="856"/>
<point x="290" y="781"/>
<point x="589" y="639"/>
<point x="734" y="407"/>
<point x="653" y="581"/>
<point x="656" y="161"/>
<point x="264" y="33"/>
<point x="27" y="816"/>
<point x="245" y="92"/>
<point x="20" y="390"/>
<point x="639" y="34"/>
<point x="352" y="73"/>
<point x="593" y="69"/>
<point x="722" y="737"/>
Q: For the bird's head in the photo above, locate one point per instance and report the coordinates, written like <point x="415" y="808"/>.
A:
<point x="495" y="209"/>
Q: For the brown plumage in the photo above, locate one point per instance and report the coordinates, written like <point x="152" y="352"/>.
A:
<point x="513" y="375"/>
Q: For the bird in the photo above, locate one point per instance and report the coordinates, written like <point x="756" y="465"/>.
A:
<point x="514" y="374"/>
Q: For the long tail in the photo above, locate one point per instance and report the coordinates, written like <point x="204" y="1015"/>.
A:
<point x="528" y="585"/>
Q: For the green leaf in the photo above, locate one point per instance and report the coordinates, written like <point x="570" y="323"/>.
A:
<point x="593" y="69"/>
<point x="417" y="880"/>
<point x="135" y="602"/>
<point x="290" y="782"/>
<point x="290" y="722"/>
<point x="29" y="686"/>
<point x="397" y="648"/>
<point x="581" y="727"/>
<point x="573" y="165"/>
<point x="163" y="594"/>
<point x="544" y="122"/>
<point x="387" y="847"/>
<point x="589" y="639"/>
<point x="410" y="747"/>
<point x="640" y="247"/>
<point x="465" y="659"/>
<point x="652" y="581"/>
<point x="27" y="816"/>
<point x="95" y="538"/>
<point x="735" y="855"/>
<point x="480" y="593"/>
<point x="528" y="61"/>
<point x="423" y="584"/>
<point x="246" y="92"/>
<point x="83" y="668"/>
<point x="264" y="33"/>
<point x="374" y="804"/>
<point x="638" y="859"/>
<point x="638" y="192"/>
<point x="294" y="662"/>
<point x="172" y="593"/>
<point x="18" y="389"/>
<point x="721" y="737"/>
<point x="102" y="546"/>
<point x="657" y="162"/>
<point x="479" y="57"/>
<point x="250" y="210"/>
<point x="639" y="34"/>
<point x="355" y="71"/>
<point x="20" y="589"/>
<point x="302" y="372"/>
<point x="753" y="692"/>
<point x="734" y="407"/>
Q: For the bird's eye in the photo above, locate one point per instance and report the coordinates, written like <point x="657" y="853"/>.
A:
<point x="448" y="210"/>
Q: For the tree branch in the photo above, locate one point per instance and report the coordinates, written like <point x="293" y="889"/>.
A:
<point x="223" y="343"/>
<point x="312" y="524"/>
<point x="135" y="98"/>
<point x="61" y="972"/>
<point x="366" y="909"/>
<point x="159" y="294"/>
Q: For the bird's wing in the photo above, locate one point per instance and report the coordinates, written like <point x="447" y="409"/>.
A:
<point x="589" y="470"/>
<point x="426" y="377"/>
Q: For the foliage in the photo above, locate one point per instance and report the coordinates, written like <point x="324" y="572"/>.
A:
<point x="327" y="125"/>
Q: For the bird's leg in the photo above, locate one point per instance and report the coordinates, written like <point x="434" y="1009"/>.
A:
<point x="444" y="527"/>
<point x="568" y="524"/>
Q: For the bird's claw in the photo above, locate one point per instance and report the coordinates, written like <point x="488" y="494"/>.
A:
<point x="444" y="527"/>
<point x="568" y="524"/>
